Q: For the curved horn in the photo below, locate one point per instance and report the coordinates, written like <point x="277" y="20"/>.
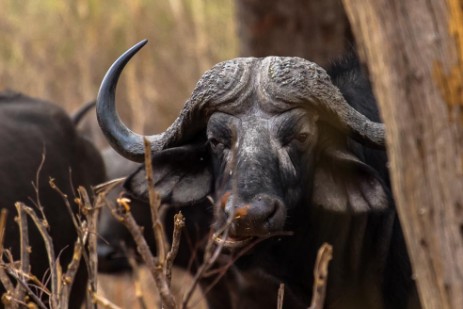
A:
<point x="218" y="85"/>
<point x="78" y="115"/>
<point x="121" y="138"/>
<point x="304" y="81"/>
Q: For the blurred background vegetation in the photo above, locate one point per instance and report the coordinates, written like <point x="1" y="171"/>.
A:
<point x="59" y="50"/>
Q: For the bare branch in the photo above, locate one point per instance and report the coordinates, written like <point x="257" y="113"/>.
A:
<point x="3" y="216"/>
<point x="108" y="186"/>
<point x="42" y="227"/>
<point x="324" y="256"/>
<point x="24" y="249"/>
<point x="281" y="296"/>
<point x="3" y="276"/>
<point x="12" y="265"/>
<point x="212" y="250"/>
<point x="155" y="202"/>
<point x="104" y="303"/>
<point x="71" y="271"/>
<point x="179" y="224"/>
<point x="36" y="185"/>
<point x="91" y="214"/>
<point x="19" y="277"/>
<point x="125" y="217"/>
<point x="79" y="251"/>
<point x="65" y="198"/>
<point x="223" y="269"/>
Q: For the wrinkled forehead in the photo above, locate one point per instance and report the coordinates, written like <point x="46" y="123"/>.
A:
<point x="271" y="84"/>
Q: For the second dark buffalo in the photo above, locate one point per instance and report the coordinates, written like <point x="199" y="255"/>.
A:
<point x="29" y="130"/>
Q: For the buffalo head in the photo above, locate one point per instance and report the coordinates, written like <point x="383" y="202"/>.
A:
<point x="265" y="137"/>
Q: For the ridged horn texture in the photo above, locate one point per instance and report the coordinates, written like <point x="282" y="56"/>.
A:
<point x="285" y="81"/>
<point x="298" y="81"/>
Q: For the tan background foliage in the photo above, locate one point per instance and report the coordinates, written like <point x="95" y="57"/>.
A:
<point x="59" y="51"/>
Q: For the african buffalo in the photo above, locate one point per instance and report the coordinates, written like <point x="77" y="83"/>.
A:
<point x="30" y="128"/>
<point x="281" y="145"/>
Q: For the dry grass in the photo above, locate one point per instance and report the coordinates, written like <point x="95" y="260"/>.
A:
<point x="60" y="50"/>
<point x="121" y="290"/>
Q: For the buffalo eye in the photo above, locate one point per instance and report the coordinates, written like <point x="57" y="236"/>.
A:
<point x="216" y="145"/>
<point x="301" y="137"/>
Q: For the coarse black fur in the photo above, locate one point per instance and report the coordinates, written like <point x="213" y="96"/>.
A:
<point x="288" y="167"/>
<point x="29" y="130"/>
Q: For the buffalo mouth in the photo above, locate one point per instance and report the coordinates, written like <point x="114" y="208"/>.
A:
<point x="232" y="242"/>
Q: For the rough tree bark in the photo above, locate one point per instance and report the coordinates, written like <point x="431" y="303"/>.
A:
<point x="414" y="51"/>
<point x="317" y="30"/>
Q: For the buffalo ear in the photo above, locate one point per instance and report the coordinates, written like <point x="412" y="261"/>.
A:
<point x="182" y="176"/>
<point x="343" y="183"/>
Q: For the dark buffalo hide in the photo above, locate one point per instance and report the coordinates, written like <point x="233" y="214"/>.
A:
<point x="30" y="128"/>
<point x="282" y="147"/>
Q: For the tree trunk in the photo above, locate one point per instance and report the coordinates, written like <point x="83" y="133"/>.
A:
<point x="414" y="52"/>
<point x="317" y="30"/>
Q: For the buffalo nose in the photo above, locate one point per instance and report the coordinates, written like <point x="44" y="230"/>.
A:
<point x="262" y="215"/>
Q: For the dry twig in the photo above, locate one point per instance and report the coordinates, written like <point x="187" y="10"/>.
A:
<point x="324" y="256"/>
<point x="154" y="201"/>
<point x="24" y="263"/>
<point x="160" y="275"/>
<point x="91" y="215"/>
<point x="42" y="227"/>
<point x="281" y="295"/>
<point x="20" y="278"/>
<point x="179" y="224"/>
<point x="143" y="249"/>
<point x="156" y="265"/>
<point x="103" y="302"/>
<point x="212" y="251"/>
<point x="71" y="271"/>
<point x="4" y="279"/>
<point x="36" y="186"/>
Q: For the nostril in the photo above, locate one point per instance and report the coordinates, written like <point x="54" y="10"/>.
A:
<point x="267" y="211"/>
<point x="273" y="210"/>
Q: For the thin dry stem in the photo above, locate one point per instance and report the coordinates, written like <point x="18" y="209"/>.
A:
<point x="105" y="187"/>
<point x="211" y="254"/>
<point x="157" y="272"/>
<point x="154" y="201"/>
<point x="5" y="280"/>
<point x="19" y="277"/>
<point x="73" y="266"/>
<point x="324" y="256"/>
<point x="24" y="264"/>
<point x="210" y="257"/>
<point x="103" y="302"/>
<point x="281" y="296"/>
<point x="222" y="270"/>
<point x="36" y="185"/>
<point x="12" y="265"/>
<point x="50" y="254"/>
<point x="91" y="214"/>
<point x="79" y="247"/>
<point x="65" y="198"/>
<point x="3" y="216"/>
<point x="179" y="224"/>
